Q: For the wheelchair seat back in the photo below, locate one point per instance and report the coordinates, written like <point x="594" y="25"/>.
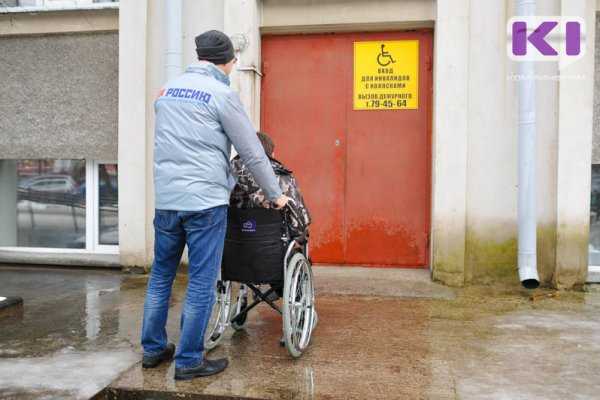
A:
<point x="255" y="245"/>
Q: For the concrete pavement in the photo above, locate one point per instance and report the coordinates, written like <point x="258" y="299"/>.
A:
<point x="382" y="333"/>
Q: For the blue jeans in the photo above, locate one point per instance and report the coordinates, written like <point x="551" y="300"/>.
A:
<point x="204" y="234"/>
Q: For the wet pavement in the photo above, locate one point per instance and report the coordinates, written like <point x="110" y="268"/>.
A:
<point x="69" y="341"/>
<point x="382" y="333"/>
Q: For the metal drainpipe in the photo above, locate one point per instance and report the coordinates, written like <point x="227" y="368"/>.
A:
<point x="528" y="273"/>
<point x="173" y="15"/>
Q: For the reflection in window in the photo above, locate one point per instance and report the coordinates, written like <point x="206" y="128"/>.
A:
<point x="43" y="203"/>
<point x="108" y="212"/>
<point x="594" y="247"/>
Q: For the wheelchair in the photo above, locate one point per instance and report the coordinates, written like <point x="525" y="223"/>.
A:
<point x="260" y="251"/>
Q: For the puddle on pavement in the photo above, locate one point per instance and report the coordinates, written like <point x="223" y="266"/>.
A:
<point x="73" y="337"/>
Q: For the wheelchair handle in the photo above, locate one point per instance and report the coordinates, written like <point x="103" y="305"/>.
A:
<point x="286" y="204"/>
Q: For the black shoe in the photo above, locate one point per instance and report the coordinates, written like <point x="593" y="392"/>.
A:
<point x="153" y="361"/>
<point x="207" y="368"/>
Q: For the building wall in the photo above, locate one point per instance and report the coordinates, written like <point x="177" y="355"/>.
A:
<point x="574" y="156"/>
<point x="596" y="140"/>
<point x="134" y="39"/>
<point x="143" y="23"/>
<point x="490" y="242"/>
<point x="59" y="96"/>
<point x="449" y="142"/>
<point x="483" y="130"/>
<point x="474" y="188"/>
<point x="492" y="164"/>
<point x="142" y="35"/>
<point x="305" y="16"/>
<point x="45" y="23"/>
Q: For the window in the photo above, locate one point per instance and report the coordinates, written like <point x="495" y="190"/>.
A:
<point x="108" y="204"/>
<point x="45" y="204"/>
<point x="50" y="206"/>
<point x="594" y="245"/>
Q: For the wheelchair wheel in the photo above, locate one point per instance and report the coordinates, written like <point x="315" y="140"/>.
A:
<point x="239" y="306"/>
<point x="298" y="305"/>
<point x="219" y="318"/>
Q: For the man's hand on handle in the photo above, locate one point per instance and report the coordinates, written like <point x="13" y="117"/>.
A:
<point x="280" y="202"/>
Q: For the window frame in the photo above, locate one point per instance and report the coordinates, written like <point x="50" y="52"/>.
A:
<point x="103" y="248"/>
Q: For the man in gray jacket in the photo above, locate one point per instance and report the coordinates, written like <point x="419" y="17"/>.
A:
<point x="198" y="117"/>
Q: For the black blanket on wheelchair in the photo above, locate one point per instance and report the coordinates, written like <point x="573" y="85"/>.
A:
<point x="254" y="249"/>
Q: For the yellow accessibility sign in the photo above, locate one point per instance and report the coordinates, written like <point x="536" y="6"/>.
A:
<point x="386" y="75"/>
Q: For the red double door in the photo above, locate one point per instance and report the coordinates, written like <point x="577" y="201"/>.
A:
<point x="365" y="174"/>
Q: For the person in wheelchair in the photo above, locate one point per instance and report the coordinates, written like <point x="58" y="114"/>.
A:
<point x="266" y="246"/>
<point x="247" y="194"/>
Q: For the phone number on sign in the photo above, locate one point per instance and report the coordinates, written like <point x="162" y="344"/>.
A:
<point x="385" y="103"/>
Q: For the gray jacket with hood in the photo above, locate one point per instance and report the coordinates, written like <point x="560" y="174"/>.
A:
<point x="198" y="117"/>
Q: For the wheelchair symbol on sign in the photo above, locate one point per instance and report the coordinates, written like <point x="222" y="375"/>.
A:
<point x="384" y="56"/>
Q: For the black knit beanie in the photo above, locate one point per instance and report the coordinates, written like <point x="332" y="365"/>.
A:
<point x="214" y="46"/>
